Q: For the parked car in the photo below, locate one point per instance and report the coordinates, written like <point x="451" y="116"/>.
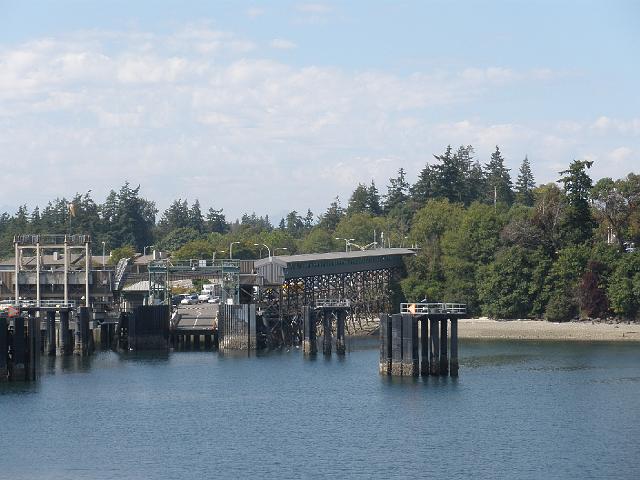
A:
<point x="214" y="300"/>
<point x="203" y="297"/>
<point x="189" y="300"/>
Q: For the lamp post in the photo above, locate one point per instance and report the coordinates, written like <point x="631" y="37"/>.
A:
<point x="214" y="254"/>
<point x="275" y="250"/>
<point x="103" y="243"/>
<point x="231" y="249"/>
<point x="346" y="242"/>
<point x="268" y="249"/>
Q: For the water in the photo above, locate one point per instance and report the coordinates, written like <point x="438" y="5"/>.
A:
<point x="518" y="410"/>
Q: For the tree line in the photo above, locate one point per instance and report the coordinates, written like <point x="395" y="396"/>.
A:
<point x="509" y="249"/>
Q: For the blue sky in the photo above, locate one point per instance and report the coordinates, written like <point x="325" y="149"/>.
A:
<point x="274" y="106"/>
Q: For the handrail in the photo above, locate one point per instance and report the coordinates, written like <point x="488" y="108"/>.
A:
<point x="432" y="308"/>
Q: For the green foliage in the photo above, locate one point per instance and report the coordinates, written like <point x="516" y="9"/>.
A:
<point x="579" y="223"/>
<point x="177" y="238"/>
<point x="127" y="251"/>
<point x="525" y="184"/>
<point x="318" y="241"/>
<point x="197" y="249"/>
<point x="623" y="291"/>
<point x="508" y="286"/>
<point x="498" y="179"/>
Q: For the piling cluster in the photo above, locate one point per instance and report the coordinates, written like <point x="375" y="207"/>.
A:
<point x="324" y="316"/>
<point x="411" y="345"/>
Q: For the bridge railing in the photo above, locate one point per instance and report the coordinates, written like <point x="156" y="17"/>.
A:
<point x="332" y="303"/>
<point x="431" y="308"/>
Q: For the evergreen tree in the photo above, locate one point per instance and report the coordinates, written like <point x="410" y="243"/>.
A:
<point x="359" y="201"/>
<point x="525" y="184"/>
<point x="498" y="179"/>
<point x="309" y="220"/>
<point x="424" y="188"/>
<point x="332" y="216"/>
<point x="176" y="216"/>
<point x="373" y="199"/>
<point x="579" y="223"/>
<point x="196" y="220"/>
<point x="449" y="178"/>
<point x="397" y="192"/>
<point x="216" y="221"/>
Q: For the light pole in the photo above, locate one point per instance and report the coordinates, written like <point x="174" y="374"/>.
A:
<point x="275" y="250"/>
<point x="214" y="254"/>
<point x="144" y="251"/>
<point x="103" y="243"/>
<point x="268" y="249"/>
<point x="346" y="242"/>
<point x="231" y="249"/>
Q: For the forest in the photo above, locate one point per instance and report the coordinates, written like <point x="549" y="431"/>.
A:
<point x="509" y="249"/>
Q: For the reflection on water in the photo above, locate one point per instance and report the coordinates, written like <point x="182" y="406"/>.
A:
<point x="518" y="410"/>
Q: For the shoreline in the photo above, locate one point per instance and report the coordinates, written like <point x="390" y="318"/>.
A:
<point x="576" y="331"/>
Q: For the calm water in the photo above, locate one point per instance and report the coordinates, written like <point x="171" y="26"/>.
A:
<point x="518" y="410"/>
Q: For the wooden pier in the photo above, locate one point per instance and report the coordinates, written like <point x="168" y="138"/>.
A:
<point x="405" y="353"/>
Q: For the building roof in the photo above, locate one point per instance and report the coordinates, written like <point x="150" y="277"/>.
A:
<point x="286" y="260"/>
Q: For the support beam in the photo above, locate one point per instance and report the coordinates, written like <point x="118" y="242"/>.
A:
<point x="18" y="366"/>
<point x="17" y="274"/>
<point x="87" y="266"/>
<point x="424" y="346"/>
<point x="51" y="332"/>
<point x="396" y="345"/>
<point x="454" y="348"/>
<point x="82" y="332"/>
<point x="434" y="346"/>
<point x="4" y="348"/>
<point x="65" y="334"/>
<point x="309" y="342"/>
<point x="38" y="274"/>
<point x="33" y="329"/>
<point x="444" y="361"/>
<point x="385" y="344"/>
<point x="326" y="327"/>
<point x="340" y="344"/>
<point x="409" y="345"/>
<point x="66" y="274"/>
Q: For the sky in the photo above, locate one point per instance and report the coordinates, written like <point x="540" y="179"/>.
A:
<point x="275" y="106"/>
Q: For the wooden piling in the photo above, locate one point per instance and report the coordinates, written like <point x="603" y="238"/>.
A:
<point x="196" y="341"/>
<point x="396" y="344"/>
<point x="17" y="366"/>
<point x="82" y="332"/>
<point x="385" y="344"/>
<point x="326" y="340"/>
<point x="207" y="341"/>
<point x="309" y="342"/>
<point x="340" y="321"/>
<point x="434" y="346"/>
<point x="4" y="350"/>
<point x="424" y="346"/>
<point x="65" y="334"/>
<point x="444" y="361"/>
<point x="33" y="329"/>
<point x="453" y="371"/>
<point x="409" y="345"/>
<point x="51" y="333"/>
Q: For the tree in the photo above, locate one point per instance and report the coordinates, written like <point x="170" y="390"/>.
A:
<point x="176" y="216"/>
<point x="318" y="240"/>
<point x="509" y="286"/>
<point x="579" y="223"/>
<point x="623" y="291"/>
<point x="359" y="201"/>
<point x="373" y="199"/>
<point x="617" y="206"/>
<point x="397" y="191"/>
<point x="309" y="220"/>
<point x="424" y="188"/>
<point x="196" y="220"/>
<point x="498" y="179"/>
<point x="525" y="184"/>
<point x="177" y="238"/>
<point x="332" y="216"/>
<point x="216" y="221"/>
<point x="117" y="254"/>
<point x="294" y="224"/>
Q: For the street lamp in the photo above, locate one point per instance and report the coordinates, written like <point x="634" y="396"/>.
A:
<point x="268" y="249"/>
<point x="103" y="243"/>
<point x="346" y="242"/>
<point x="144" y="251"/>
<point x="214" y="254"/>
<point x="231" y="249"/>
<point x="275" y="250"/>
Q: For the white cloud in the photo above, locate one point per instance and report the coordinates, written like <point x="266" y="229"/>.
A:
<point x="195" y="112"/>
<point x="255" y="12"/>
<point x="282" y="44"/>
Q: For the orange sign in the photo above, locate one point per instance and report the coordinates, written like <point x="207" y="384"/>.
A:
<point x="412" y="308"/>
<point x="13" y="311"/>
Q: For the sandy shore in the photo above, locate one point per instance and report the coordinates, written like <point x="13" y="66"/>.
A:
<point x="479" y="328"/>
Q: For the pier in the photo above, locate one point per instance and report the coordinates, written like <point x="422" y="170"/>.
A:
<point x="416" y="341"/>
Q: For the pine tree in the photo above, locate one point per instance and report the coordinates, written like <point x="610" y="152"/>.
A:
<point x="423" y="189"/>
<point x="577" y="186"/>
<point x="525" y="184"/>
<point x="373" y="199"/>
<point x="498" y="179"/>
<point x="309" y="220"/>
<point x="216" y="221"/>
<point x="196" y="220"/>
<point x="397" y="191"/>
<point x="359" y="201"/>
